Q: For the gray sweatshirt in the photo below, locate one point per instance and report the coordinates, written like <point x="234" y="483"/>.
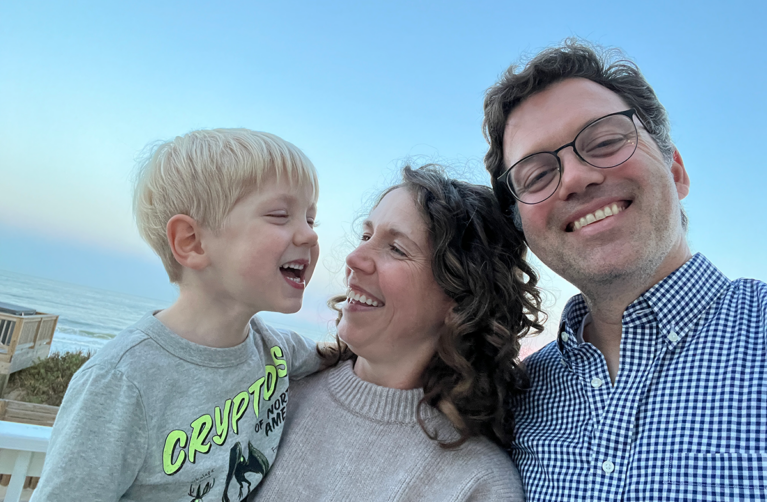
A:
<point x="155" y="417"/>
<point x="349" y="440"/>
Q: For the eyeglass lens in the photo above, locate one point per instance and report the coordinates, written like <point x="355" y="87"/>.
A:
<point x="608" y="142"/>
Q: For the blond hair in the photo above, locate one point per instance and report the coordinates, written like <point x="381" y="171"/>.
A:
<point x="203" y="174"/>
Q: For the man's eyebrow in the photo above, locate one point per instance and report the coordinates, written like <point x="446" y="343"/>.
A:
<point x="585" y="123"/>
<point x="394" y="232"/>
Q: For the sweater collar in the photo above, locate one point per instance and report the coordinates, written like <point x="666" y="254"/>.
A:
<point x="374" y="402"/>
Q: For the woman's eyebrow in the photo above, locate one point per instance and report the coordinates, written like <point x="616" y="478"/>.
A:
<point x="393" y="232"/>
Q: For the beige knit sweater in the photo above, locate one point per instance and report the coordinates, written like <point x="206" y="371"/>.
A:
<point x="349" y="440"/>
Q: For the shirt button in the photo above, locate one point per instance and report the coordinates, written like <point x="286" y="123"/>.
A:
<point x="673" y="337"/>
<point x="608" y="466"/>
<point x="565" y="337"/>
<point x="596" y="382"/>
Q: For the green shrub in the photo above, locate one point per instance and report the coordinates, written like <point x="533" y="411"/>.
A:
<point x="46" y="381"/>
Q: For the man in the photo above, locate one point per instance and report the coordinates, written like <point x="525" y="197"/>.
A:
<point x="656" y="388"/>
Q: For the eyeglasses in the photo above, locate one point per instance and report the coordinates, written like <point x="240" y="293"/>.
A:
<point x="608" y="141"/>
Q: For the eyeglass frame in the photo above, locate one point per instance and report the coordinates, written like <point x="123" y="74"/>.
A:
<point x="630" y="113"/>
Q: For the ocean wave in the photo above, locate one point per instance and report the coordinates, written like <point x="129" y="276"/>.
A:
<point x="84" y="333"/>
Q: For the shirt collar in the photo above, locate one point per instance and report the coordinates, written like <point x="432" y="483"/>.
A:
<point x="675" y="303"/>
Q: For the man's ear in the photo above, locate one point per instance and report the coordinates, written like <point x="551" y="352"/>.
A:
<point x="681" y="179"/>
<point x="185" y="242"/>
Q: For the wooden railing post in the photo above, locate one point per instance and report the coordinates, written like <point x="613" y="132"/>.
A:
<point x="22" y="454"/>
<point x="13" y="494"/>
<point x="3" y="382"/>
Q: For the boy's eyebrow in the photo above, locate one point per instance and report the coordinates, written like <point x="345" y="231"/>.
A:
<point x="394" y="232"/>
<point x="289" y="198"/>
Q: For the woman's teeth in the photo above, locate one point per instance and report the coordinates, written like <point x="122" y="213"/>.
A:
<point x="351" y="295"/>
<point x="599" y="214"/>
<point x="293" y="265"/>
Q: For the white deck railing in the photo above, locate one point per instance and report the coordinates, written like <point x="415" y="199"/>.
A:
<point x="22" y="453"/>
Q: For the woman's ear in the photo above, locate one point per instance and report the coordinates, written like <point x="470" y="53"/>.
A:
<point x="185" y="242"/>
<point x="450" y="312"/>
<point x="681" y="179"/>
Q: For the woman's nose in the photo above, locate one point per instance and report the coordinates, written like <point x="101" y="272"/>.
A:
<point x="360" y="260"/>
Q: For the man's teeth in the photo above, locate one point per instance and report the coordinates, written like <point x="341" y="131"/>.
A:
<point x="351" y="295"/>
<point x="599" y="214"/>
<point x="293" y="265"/>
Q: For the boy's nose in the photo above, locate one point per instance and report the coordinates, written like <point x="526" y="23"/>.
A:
<point x="306" y="236"/>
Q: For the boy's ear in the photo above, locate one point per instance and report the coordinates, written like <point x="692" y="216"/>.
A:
<point x="185" y="242"/>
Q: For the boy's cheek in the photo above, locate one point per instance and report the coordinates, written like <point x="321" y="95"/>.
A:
<point x="314" y="260"/>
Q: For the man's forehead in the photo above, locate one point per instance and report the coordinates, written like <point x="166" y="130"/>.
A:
<point x="552" y="117"/>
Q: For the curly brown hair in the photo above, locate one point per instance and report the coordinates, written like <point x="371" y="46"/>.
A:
<point x="479" y="262"/>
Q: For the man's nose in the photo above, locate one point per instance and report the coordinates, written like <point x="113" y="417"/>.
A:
<point x="577" y="175"/>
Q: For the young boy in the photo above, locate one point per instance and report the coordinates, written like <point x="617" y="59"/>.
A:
<point x="189" y="402"/>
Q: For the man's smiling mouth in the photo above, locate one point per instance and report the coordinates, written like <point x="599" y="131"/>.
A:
<point x="598" y="215"/>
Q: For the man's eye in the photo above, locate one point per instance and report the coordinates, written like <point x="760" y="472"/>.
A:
<point x="365" y="237"/>
<point x="605" y="145"/>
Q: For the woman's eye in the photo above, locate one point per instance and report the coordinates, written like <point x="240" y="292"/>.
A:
<point x="397" y="250"/>
<point x="312" y="223"/>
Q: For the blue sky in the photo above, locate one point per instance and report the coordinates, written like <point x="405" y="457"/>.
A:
<point x="359" y="86"/>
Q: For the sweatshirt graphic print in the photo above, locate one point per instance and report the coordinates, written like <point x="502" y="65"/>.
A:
<point x="155" y="417"/>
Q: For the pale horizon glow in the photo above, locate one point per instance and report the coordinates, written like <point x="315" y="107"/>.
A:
<point x="86" y="86"/>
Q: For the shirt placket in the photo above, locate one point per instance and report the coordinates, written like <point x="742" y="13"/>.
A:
<point x="614" y="407"/>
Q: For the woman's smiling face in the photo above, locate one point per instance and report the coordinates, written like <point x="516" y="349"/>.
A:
<point x="403" y="309"/>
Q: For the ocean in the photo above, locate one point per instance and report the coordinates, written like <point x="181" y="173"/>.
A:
<point x="90" y="317"/>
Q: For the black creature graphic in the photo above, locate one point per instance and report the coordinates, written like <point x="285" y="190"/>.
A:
<point x="198" y="497"/>
<point x="238" y="466"/>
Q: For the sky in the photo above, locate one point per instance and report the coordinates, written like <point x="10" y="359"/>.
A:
<point x="361" y="88"/>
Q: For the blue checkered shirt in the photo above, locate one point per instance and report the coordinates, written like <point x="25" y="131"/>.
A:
<point x="687" y="416"/>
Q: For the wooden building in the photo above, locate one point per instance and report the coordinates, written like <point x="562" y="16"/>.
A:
<point x="25" y="337"/>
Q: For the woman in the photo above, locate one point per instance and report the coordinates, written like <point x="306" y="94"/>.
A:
<point x="439" y="293"/>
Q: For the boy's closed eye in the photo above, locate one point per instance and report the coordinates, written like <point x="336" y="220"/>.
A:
<point x="278" y="215"/>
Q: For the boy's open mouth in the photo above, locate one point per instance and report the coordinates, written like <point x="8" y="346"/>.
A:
<point x="294" y="272"/>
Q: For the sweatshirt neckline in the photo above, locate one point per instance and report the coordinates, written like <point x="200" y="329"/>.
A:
<point x="373" y="401"/>
<point x="201" y="355"/>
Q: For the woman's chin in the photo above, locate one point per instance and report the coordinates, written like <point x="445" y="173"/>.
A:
<point x="349" y="335"/>
<point x="342" y="331"/>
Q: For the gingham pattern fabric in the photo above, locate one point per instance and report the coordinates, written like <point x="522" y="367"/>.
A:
<point x="687" y="416"/>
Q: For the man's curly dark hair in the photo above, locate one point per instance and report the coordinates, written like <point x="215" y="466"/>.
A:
<point x="479" y="262"/>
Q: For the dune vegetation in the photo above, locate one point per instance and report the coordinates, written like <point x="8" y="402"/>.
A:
<point x="46" y="381"/>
